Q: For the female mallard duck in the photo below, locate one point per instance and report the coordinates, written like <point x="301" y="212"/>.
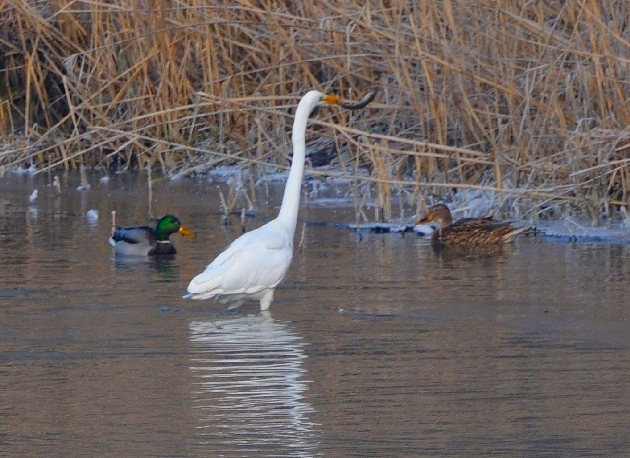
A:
<point x="469" y="232"/>
<point x="146" y="241"/>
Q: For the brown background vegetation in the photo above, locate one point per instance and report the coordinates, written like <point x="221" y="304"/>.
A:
<point x="527" y="100"/>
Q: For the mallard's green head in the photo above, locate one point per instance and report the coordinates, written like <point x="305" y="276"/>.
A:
<point x="168" y="225"/>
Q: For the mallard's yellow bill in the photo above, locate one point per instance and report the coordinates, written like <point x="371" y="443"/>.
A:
<point x="182" y="230"/>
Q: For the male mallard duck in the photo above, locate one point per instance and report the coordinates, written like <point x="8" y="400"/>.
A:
<point x="146" y="241"/>
<point x="468" y="231"/>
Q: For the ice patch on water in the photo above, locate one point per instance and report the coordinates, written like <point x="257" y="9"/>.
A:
<point x="19" y="170"/>
<point x="424" y="229"/>
<point x="397" y="226"/>
<point x="333" y="191"/>
<point x="584" y="230"/>
<point x="92" y="217"/>
<point x="228" y="172"/>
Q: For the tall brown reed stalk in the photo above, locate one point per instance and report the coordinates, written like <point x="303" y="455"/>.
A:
<point x="522" y="100"/>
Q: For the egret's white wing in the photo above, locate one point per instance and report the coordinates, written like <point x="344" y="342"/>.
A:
<point x="256" y="261"/>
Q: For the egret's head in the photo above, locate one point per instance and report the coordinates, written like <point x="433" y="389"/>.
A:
<point x="315" y="98"/>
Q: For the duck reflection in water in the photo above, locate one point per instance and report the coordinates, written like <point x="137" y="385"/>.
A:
<point x="149" y="268"/>
<point x="250" y="386"/>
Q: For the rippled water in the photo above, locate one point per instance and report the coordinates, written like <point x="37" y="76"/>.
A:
<point x="251" y="386"/>
<point x="374" y="345"/>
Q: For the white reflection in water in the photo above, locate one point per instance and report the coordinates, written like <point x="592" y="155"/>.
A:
<point x="250" y="392"/>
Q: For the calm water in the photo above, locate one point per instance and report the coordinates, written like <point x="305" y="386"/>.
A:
<point x="373" y="347"/>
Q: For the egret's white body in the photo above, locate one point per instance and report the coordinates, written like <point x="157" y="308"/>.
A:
<point x="256" y="262"/>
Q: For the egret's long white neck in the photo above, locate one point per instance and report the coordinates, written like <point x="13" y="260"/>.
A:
<point x="291" y="199"/>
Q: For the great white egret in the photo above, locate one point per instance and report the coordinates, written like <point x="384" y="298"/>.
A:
<point x="147" y="241"/>
<point x="256" y="262"/>
<point x="467" y="231"/>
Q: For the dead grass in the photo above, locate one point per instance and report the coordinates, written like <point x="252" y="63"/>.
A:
<point x="524" y="100"/>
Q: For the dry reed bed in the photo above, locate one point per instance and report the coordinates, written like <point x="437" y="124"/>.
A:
<point x="524" y="101"/>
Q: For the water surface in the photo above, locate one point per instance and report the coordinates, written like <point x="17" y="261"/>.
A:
<point x="374" y="345"/>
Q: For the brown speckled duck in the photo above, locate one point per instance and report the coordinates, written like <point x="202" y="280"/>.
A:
<point x="468" y="232"/>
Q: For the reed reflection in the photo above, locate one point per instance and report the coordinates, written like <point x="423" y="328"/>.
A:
<point x="250" y="387"/>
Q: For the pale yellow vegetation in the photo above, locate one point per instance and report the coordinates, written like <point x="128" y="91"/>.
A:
<point x="524" y="99"/>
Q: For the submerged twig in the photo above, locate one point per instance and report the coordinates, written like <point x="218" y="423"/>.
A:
<point x="150" y="190"/>
<point x="113" y="221"/>
<point x="226" y="212"/>
<point x="302" y="236"/>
